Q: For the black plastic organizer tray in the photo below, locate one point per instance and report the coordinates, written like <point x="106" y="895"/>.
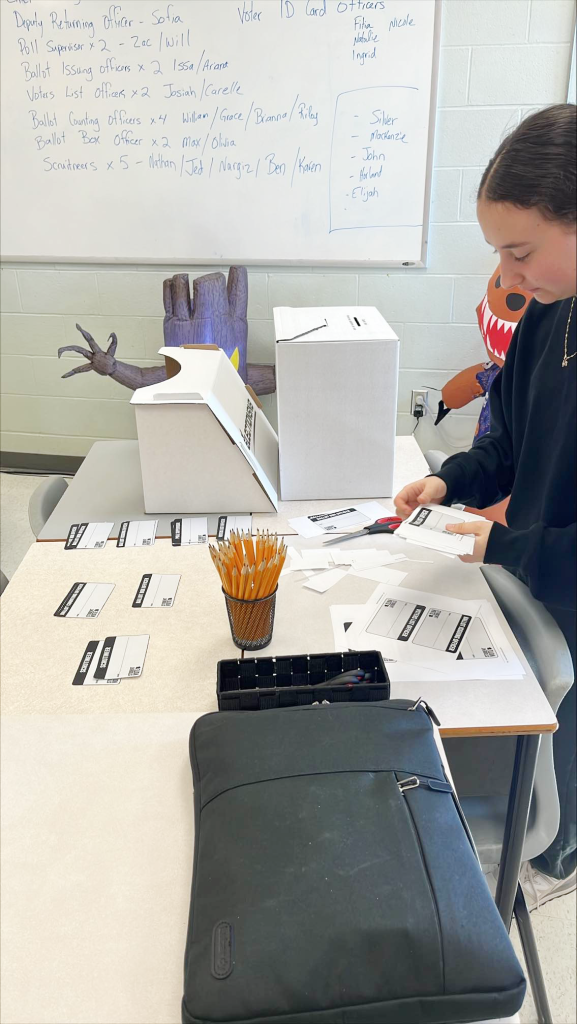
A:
<point x="254" y="684"/>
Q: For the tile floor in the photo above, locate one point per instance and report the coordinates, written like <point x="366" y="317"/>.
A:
<point x="554" y="924"/>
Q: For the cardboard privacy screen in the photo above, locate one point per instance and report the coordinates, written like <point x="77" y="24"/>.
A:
<point x="205" y="443"/>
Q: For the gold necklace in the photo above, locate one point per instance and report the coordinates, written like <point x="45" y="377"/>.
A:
<point x="566" y="358"/>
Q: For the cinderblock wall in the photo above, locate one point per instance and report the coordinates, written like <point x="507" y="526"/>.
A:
<point x="499" y="59"/>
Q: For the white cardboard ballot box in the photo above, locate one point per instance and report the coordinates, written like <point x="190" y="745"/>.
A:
<point x="336" y="373"/>
<point x="205" y="444"/>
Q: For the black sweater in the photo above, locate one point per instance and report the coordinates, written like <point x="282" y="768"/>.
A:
<point x="529" y="453"/>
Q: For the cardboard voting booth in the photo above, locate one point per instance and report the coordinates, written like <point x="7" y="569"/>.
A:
<point x="205" y="443"/>
<point x="337" y="370"/>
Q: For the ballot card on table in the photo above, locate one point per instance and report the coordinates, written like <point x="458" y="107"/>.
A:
<point x="87" y="535"/>
<point x="84" y="601"/>
<point x="156" y="590"/>
<point x="122" y="657"/>
<point x="137" y="533"/>
<point x="228" y="523"/>
<point x="85" y="672"/>
<point x="192" y="530"/>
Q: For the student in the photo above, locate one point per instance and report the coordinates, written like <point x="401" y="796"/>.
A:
<point x="526" y="207"/>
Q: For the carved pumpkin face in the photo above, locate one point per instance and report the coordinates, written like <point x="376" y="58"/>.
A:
<point x="498" y="315"/>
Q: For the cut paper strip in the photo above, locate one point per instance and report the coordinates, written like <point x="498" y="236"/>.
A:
<point x="342" y="557"/>
<point x="371" y="559"/>
<point x="380" y="574"/>
<point x="325" y="580"/>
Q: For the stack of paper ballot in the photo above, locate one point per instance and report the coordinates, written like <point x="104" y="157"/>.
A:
<point x="427" y="527"/>
<point x="426" y="636"/>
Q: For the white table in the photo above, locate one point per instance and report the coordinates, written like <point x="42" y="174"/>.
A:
<point x="108" y="488"/>
<point x="97" y="812"/>
<point x="95" y="891"/>
<point x="186" y="641"/>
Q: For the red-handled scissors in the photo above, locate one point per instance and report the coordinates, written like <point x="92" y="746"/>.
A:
<point x="387" y="525"/>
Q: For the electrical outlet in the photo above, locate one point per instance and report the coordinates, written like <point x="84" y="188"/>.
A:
<point x="419" y="398"/>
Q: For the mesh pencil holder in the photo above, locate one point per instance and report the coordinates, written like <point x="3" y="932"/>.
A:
<point x="251" y="622"/>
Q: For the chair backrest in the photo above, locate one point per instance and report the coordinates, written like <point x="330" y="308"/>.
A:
<point x="435" y="460"/>
<point x="547" y="652"/>
<point x="44" y="500"/>
<point x="3" y="582"/>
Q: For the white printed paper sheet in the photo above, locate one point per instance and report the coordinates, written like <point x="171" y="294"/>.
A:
<point x="461" y="638"/>
<point x="427" y="526"/>
<point x="339" y="520"/>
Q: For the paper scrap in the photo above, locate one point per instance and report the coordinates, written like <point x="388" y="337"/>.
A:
<point x="342" y="557"/>
<point x="380" y="574"/>
<point x="371" y="558"/>
<point x="325" y="580"/>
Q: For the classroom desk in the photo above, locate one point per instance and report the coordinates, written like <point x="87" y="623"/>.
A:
<point x="40" y="653"/>
<point x="108" y="488"/>
<point x="97" y="836"/>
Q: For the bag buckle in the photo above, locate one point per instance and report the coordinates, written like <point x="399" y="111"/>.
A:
<point x="427" y="708"/>
<point x="410" y="783"/>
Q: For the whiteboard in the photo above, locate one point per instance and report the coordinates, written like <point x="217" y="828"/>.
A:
<point x="251" y="131"/>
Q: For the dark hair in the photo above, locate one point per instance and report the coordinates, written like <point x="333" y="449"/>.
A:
<point x="535" y="165"/>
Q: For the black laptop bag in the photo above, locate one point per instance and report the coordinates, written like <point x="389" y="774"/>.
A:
<point x="334" y="877"/>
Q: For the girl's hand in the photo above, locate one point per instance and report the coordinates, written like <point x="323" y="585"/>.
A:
<point x="429" y="491"/>
<point x="481" y="533"/>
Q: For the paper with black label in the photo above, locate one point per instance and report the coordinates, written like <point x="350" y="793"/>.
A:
<point x="343" y="618"/>
<point x="137" y="534"/>
<point x="427" y="526"/>
<point x="248" y="430"/>
<point x="84" y="601"/>
<point x="339" y="520"/>
<point x="156" y="590"/>
<point x="85" y="671"/>
<point x="228" y="523"/>
<point x="122" y="657"/>
<point x="463" y="637"/>
<point x="87" y="535"/>
<point x="193" y="530"/>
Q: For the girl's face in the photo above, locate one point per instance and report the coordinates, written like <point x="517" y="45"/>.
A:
<point x="537" y="255"/>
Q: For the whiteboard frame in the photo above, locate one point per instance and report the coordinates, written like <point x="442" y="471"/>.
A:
<point x="195" y="261"/>
<point x="572" y="86"/>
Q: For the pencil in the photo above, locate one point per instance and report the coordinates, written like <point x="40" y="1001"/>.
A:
<point x="249" y="568"/>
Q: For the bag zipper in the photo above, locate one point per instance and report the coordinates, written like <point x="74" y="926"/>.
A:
<point x="412" y="782"/>
<point x="426" y="707"/>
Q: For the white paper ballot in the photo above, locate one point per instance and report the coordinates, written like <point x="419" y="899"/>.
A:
<point x="84" y="601"/>
<point x="87" y="535"/>
<point x="193" y="530"/>
<point x="228" y="523"/>
<point x="85" y="671"/>
<point x="435" y="631"/>
<point x="427" y="526"/>
<point x="137" y="534"/>
<point x="339" y="520"/>
<point x="156" y="590"/>
<point x="122" y="657"/>
<point x="325" y="580"/>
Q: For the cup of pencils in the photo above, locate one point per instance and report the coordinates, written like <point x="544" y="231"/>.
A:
<point x="249" y="569"/>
